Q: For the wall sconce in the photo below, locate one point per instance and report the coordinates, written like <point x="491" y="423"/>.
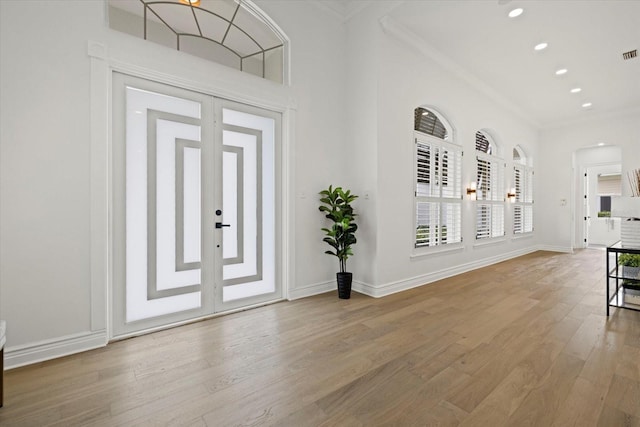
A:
<point x="471" y="191"/>
<point x="511" y="195"/>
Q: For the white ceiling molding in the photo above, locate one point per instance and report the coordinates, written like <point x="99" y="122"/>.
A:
<point x="591" y="116"/>
<point x="342" y="10"/>
<point x="414" y="41"/>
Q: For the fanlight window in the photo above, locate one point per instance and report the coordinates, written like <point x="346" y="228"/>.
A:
<point x="483" y="144"/>
<point x="231" y="32"/>
<point x="426" y="121"/>
<point x="518" y="156"/>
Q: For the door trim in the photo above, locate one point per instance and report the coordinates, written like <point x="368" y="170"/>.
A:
<point x="276" y="99"/>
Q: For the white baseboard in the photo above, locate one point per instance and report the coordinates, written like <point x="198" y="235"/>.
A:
<point x="310" y="290"/>
<point x="414" y="282"/>
<point x="565" y="249"/>
<point x="50" y="349"/>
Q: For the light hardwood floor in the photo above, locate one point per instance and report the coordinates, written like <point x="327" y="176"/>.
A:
<point x="523" y="342"/>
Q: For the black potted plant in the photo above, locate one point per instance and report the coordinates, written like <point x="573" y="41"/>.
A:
<point x="336" y="205"/>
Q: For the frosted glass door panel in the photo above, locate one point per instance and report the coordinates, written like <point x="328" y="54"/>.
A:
<point x="248" y="205"/>
<point x="163" y="213"/>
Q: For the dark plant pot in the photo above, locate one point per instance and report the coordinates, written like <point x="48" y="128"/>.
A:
<point x="631" y="272"/>
<point x="344" y="285"/>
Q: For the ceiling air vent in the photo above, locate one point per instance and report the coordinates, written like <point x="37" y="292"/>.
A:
<point x="630" y="54"/>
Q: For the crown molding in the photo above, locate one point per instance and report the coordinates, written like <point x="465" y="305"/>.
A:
<point x="342" y="10"/>
<point x="603" y="116"/>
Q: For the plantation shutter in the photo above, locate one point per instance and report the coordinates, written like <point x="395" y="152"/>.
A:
<point x="523" y="208"/>
<point x="438" y="192"/>
<point x="490" y="196"/>
<point x="424" y="168"/>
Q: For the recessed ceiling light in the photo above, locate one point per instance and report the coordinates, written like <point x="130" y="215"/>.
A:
<point x="541" y="46"/>
<point x="516" y="12"/>
<point x="576" y="90"/>
<point x="425" y="113"/>
<point x="561" y="71"/>
<point x="600" y="144"/>
<point x="587" y="105"/>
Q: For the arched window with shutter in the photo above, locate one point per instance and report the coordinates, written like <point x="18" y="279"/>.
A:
<point x="438" y="181"/>
<point x="490" y="193"/>
<point x="523" y="185"/>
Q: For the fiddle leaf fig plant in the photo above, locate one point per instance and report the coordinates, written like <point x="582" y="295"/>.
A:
<point x="336" y="205"/>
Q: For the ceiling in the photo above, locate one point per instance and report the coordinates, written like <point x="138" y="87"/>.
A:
<point x="587" y="38"/>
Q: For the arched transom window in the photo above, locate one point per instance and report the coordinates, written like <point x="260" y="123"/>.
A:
<point x="234" y="33"/>
<point x="428" y="122"/>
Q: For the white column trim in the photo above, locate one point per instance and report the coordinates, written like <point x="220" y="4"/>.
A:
<point x="100" y="189"/>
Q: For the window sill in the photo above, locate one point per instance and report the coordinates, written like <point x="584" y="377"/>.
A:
<point x="436" y="250"/>
<point x="489" y="242"/>
<point x="522" y="236"/>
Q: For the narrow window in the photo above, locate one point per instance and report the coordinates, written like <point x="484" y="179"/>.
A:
<point x="438" y="182"/>
<point x="523" y="184"/>
<point x="490" y="192"/>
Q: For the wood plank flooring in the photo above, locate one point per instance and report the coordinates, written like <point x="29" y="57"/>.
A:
<point x="521" y="343"/>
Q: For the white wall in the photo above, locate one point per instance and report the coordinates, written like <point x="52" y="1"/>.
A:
<point x="45" y="168"/>
<point x="318" y="66"/>
<point x="558" y="182"/>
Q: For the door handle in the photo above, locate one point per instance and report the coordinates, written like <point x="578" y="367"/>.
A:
<point x="220" y="225"/>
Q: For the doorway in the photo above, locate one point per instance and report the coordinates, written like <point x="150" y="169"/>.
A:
<point x="195" y="205"/>
<point x="597" y="180"/>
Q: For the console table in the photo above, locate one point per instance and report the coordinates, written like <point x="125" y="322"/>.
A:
<point x="618" y="280"/>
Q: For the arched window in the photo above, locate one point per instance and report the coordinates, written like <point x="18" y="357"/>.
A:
<point x="438" y="181"/>
<point x="484" y="143"/>
<point x="428" y="122"/>
<point x="233" y="33"/>
<point x="490" y="193"/>
<point x="523" y="186"/>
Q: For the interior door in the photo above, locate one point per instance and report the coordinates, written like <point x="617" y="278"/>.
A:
<point x="194" y="205"/>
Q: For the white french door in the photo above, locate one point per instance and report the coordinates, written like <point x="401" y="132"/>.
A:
<point x="194" y="206"/>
